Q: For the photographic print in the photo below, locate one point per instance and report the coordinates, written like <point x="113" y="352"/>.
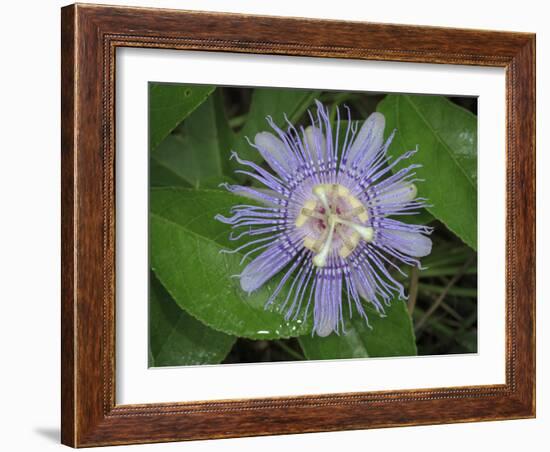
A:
<point x="270" y="225"/>
<point x="290" y="224"/>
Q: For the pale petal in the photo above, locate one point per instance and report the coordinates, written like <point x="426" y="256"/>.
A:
<point x="364" y="284"/>
<point x="369" y="139"/>
<point x="328" y="301"/>
<point x="264" y="267"/>
<point x="315" y="142"/>
<point x="275" y="153"/>
<point x="412" y="243"/>
<point x="398" y="193"/>
<point x="324" y="326"/>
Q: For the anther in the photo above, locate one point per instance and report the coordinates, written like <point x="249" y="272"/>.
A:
<point x="307" y="211"/>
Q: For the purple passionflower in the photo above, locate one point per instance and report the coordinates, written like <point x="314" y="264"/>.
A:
<point x="325" y="218"/>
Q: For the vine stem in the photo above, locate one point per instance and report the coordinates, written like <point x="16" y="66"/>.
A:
<point x="413" y="289"/>
<point x="289" y="350"/>
<point x="442" y="296"/>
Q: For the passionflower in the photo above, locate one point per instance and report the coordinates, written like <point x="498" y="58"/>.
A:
<point x="325" y="218"/>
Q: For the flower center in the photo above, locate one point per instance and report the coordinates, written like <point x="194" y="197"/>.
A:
<point x="334" y="221"/>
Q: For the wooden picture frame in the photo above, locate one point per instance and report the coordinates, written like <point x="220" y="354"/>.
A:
<point x="90" y="36"/>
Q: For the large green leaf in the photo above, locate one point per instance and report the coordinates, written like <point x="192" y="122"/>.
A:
<point x="389" y="336"/>
<point x="178" y="339"/>
<point x="200" y="147"/>
<point x="169" y="104"/>
<point x="161" y="175"/>
<point x="186" y="242"/>
<point x="274" y="102"/>
<point x="197" y="151"/>
<point x="446" y="136"/>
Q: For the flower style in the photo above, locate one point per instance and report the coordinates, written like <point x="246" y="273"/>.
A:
<point x="325" y="218"/>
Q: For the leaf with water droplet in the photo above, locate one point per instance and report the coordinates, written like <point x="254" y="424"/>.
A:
<point x="186" y="242"/>
<point x="178" y="339"/>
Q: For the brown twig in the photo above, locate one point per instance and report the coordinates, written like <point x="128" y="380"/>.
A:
<point x="451" y="311"/>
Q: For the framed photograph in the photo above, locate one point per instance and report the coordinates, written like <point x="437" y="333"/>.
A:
<point x="282" y="225"/>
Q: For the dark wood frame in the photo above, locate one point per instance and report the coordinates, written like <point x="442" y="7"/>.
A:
<point x="90" y="36"/>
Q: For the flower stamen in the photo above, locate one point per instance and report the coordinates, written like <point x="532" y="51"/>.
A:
<point x="366" y="232"/>
<point x="334" y="221"/>
<point x="350" y="243"/>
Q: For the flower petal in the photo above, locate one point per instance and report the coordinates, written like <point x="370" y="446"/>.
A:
<point x="316" y="144"/>
<point x="397" y="193"/>
<point x="275" y="153"/>
<point x="369" y="139"/>
<point x="412" y="243"/>
<point x="328" y="302"/>
<point x="264" y="266"/>
<point x="364" y="284"/>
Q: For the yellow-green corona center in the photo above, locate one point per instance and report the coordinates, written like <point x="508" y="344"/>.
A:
<point x="334" y="221"/>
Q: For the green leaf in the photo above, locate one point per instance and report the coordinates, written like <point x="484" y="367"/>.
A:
<point x="186" y="242"/>
<point x="161" y="175"/>
<point x="200" y="147"/>
<point x="197" y="151"/>
<point x="169" y="104"/>
<point x="178" y="339"/>
<point x="390" y="336"/>
<point x="274" y="102"/>
<point x="446" y="136"/>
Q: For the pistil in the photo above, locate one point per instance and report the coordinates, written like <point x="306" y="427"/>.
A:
<point x="338" y="213"/>
<point x="320" y="259"/>
<point x="321" y="192"/>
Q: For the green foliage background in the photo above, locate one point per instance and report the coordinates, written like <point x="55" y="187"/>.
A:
<point x="198" y="313"/>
